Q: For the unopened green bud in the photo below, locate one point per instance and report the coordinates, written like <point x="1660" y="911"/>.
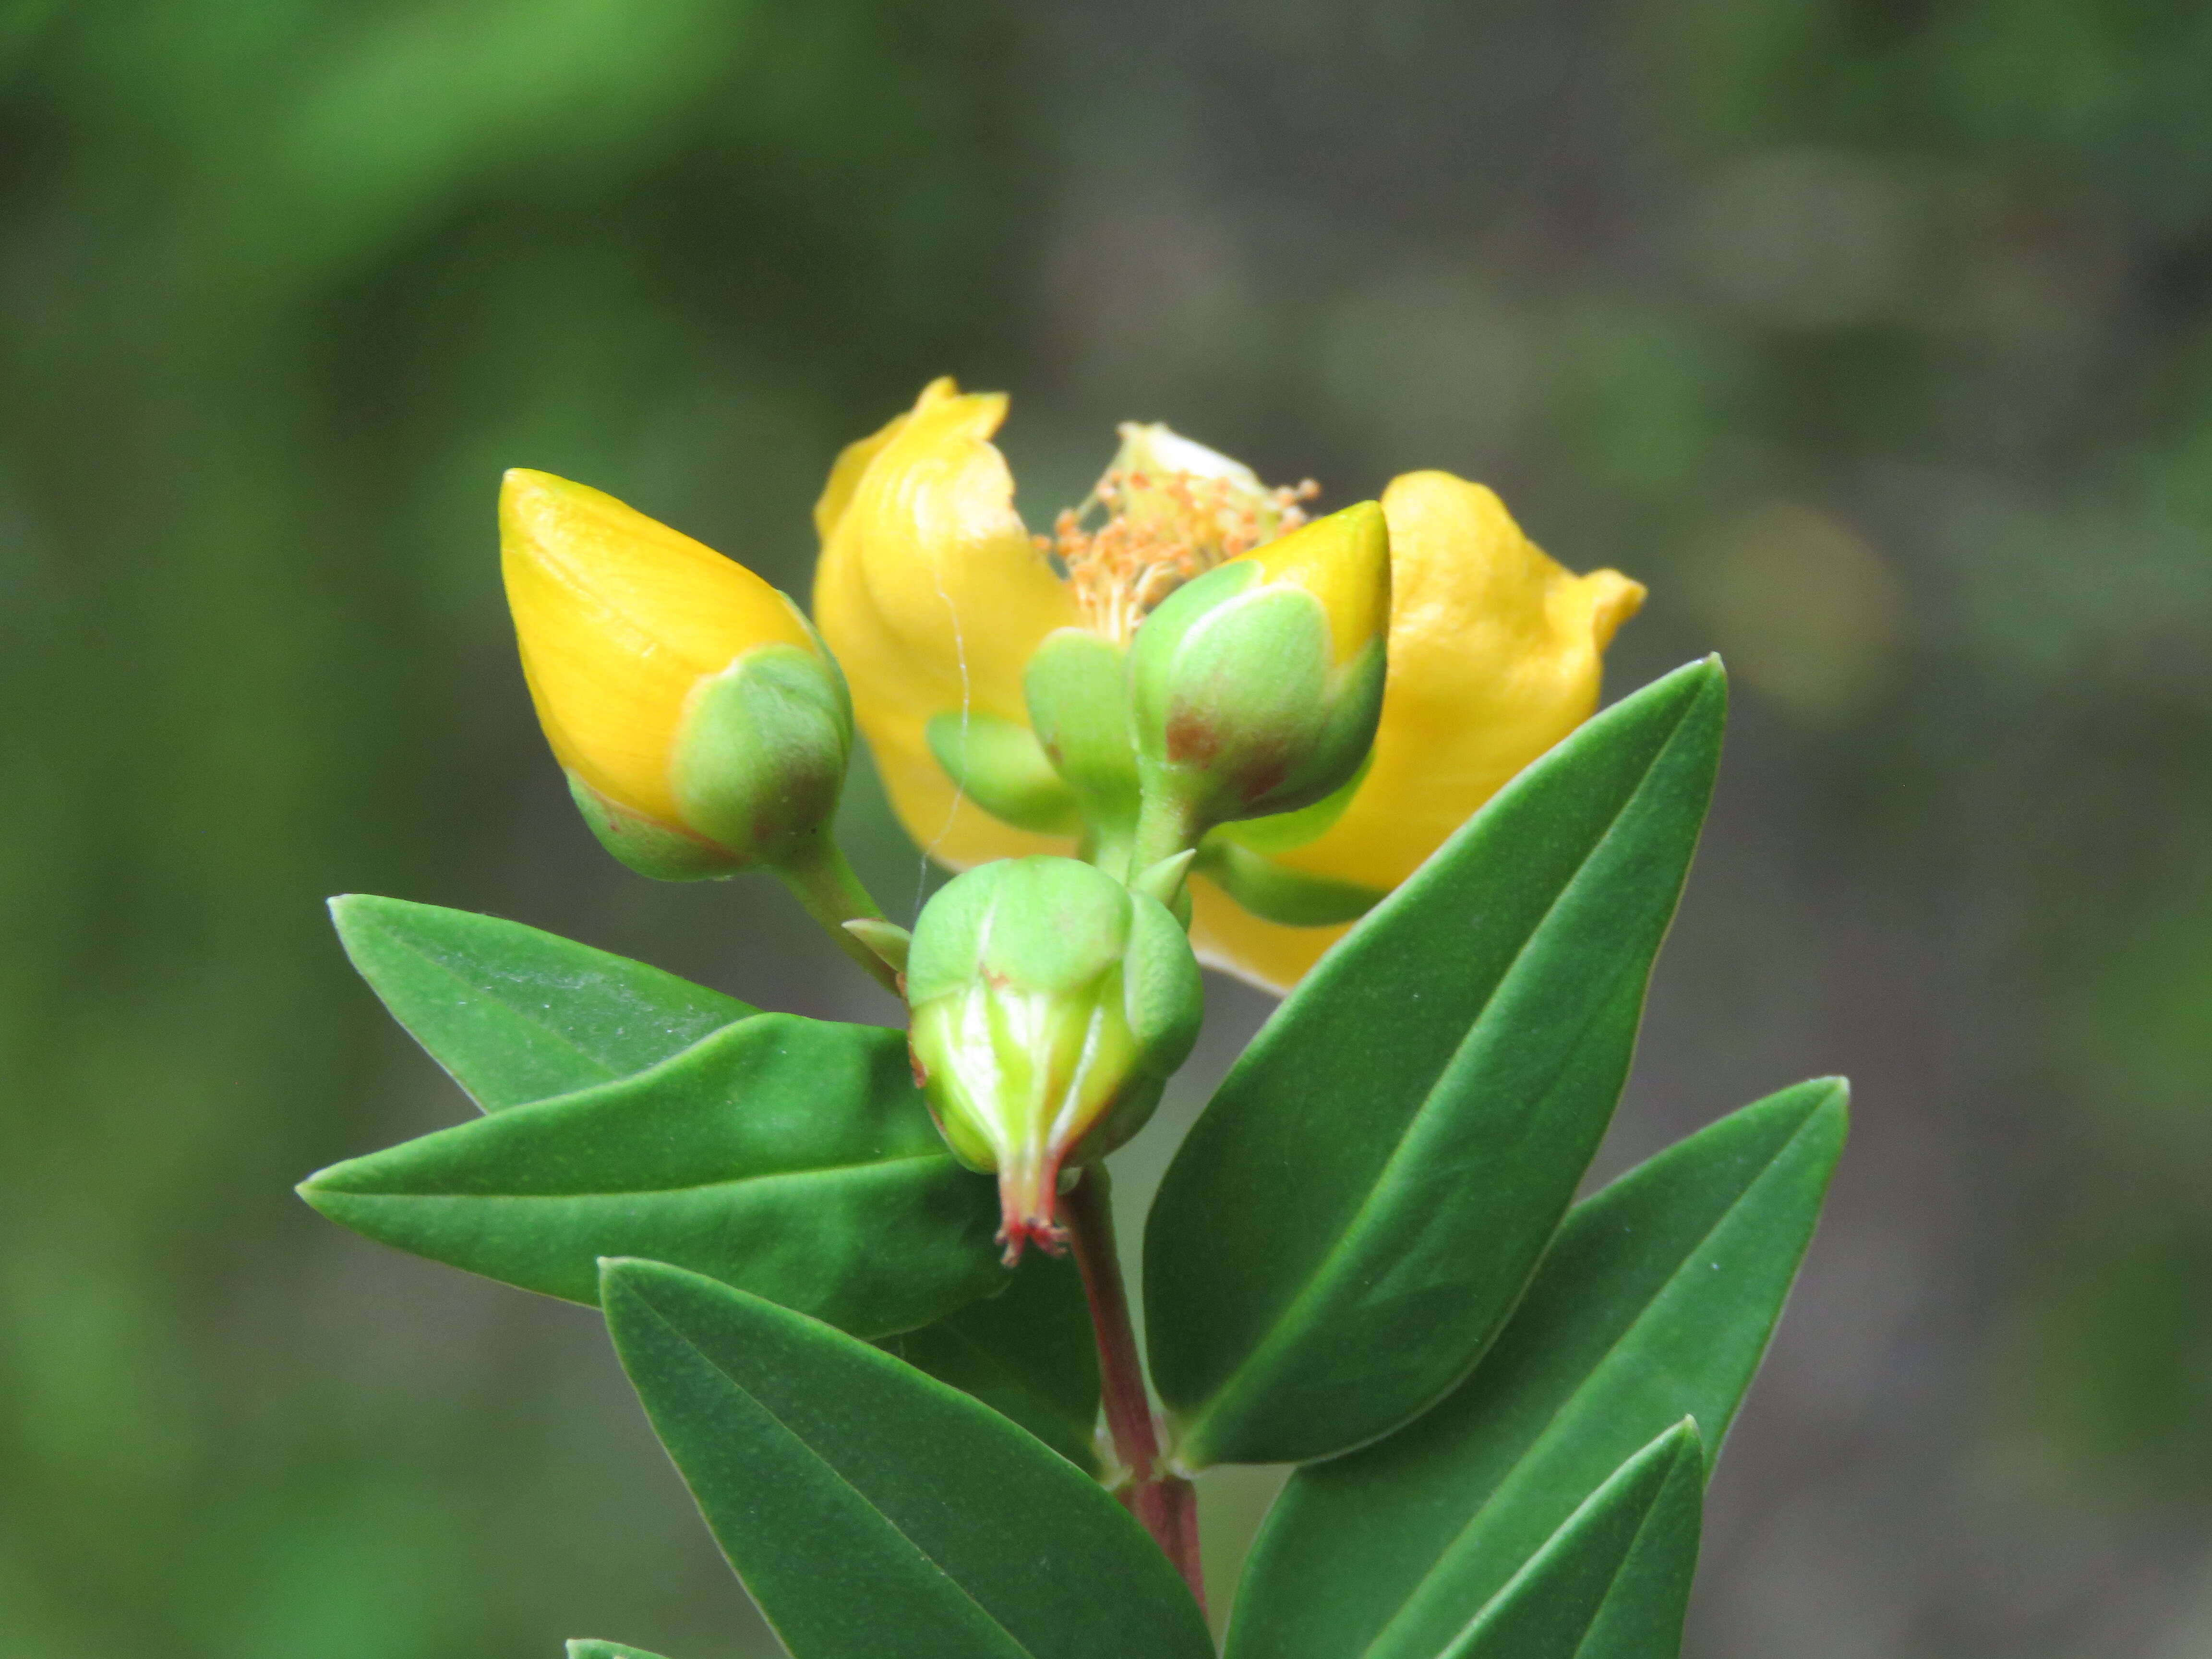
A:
<point x="1049" y="1006"/>
<point x="1257" y="687"/>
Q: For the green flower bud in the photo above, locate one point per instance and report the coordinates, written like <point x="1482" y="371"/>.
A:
<point x="1049" y="1006"/>
<point x="1257" y="687"/>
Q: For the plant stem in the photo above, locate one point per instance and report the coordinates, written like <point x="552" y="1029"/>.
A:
<point x="1164" y="1502"/>
<point x="824" y="882"/>
<point x="1165" y="826"/>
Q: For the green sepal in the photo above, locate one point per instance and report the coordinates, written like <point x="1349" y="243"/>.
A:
<point x="1274" y="893"/>
<point x="760" y="757"/>
<point x="1166" y="880"/>
<point x="1245" y="704"/>
<point x="646" y="845"/>
<point x="1360" y="1205"/>
<point x="998" y="764"/>
<point x="1231" y="683"/>
<point x="1613" y="1583"/>
<point x="793" y="1157"/>
<point x="585" y="1647"/>
<point x="871" y="1509"/>
<point x="1076" y="685"/>
<point x="515" y="1014"/>
<point x="1279" y="832"/>
<point x="1653" y="1303"/>
<point x="891" y="942"/>
<point x="1029" y="1353"/>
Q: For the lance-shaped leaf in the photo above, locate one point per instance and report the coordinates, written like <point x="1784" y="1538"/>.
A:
<point x="586" y="1648"/>
<point x="1360" y="1205"/>
<point x="793" y="1157"/>
<point x="516" y="1014"/>
<point x="872" y="1510"/>
<point x="1613" y="1582"/>
<point x="1029" y="1353"/>
<point x="1654" y="1303"/>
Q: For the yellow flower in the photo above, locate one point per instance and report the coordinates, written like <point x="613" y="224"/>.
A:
<point x="624" y="624"/>
<point x="934" y="597"/>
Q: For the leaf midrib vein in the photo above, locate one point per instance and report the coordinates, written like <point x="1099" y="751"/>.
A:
<point x="1326" y="1271"/>
<point x="837" y="1474"/>
<point x="815" y="1172"/>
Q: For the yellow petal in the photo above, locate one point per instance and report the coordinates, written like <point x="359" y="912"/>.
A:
<point x="933" y="596"/>
<point x="618" y="616"/>
<point x="1344" y="562"/>
<point x="1495" y="655"/>
<point x="845" y="472"/>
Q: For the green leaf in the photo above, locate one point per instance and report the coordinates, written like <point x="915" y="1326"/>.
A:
<point x="1613" y="1583"/>
<point x="585" y="1648"/>
<point x="1653" y="1303"/>
<point x="1359" y="1207"/>
<point x="871" y="1510"/>
<point x="791" y="1156"/>
<point x="1028" y="1352"/>
<point x="515" y="1014"/>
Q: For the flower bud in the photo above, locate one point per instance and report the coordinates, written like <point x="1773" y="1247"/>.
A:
<point x="1257" y="686"/>
<point x="703" y="727"/>
<point x="1049" y="1006"/>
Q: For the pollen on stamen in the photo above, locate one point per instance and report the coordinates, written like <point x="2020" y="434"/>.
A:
<point x="1160" y="529"/>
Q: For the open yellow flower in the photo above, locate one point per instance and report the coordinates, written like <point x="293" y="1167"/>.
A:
<point x="934" y="597"/>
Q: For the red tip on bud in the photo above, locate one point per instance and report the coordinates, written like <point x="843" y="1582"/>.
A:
<point x="1029" y="1199"/>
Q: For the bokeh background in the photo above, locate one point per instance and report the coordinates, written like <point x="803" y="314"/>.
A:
<point x="1872" y="335"/>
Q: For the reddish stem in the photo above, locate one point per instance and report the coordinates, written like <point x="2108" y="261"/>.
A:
<point x="1165" y="1504"/>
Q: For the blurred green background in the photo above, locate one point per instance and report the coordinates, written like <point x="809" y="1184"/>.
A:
<point x="1873" y="336"/>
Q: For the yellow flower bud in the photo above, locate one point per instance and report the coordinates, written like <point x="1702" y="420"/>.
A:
<point x="1256" y="686"/>
<point x="650" y="659"/>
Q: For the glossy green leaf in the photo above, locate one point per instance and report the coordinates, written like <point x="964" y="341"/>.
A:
<point x="1028" y="1352"/>
<point x="585" y="1648"/>
<point x="1359" y="1207"/>
<point x="793" y="1157"/>
<point x="516" y="1014"/>
<point x="1653" y="1303"/>
<point x="872" y="1510"/>
<point x="1613" y="1582"/>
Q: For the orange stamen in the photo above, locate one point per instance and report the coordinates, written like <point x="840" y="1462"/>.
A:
<point x="1122" y="569"/>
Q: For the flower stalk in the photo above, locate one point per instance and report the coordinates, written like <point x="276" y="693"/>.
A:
<point x="1164" y="1503"/>
<point x="823" y="879"/>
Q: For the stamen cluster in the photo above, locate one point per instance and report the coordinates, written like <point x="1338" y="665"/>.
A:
<point x="1160" y="529"/>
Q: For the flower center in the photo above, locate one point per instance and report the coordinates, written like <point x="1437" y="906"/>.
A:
<point x="1144" y="530"/>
